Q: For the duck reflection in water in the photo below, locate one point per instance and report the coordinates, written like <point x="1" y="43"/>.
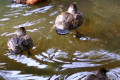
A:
<point x="71" y="19"/>
<point x="26" y="1"/>
<point x="100" y="75"/>
<point x="20" y="42"/>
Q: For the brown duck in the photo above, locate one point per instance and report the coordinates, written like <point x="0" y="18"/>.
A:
<point x="71" y="19"/>
<point x="26" y="1"/>
<point x="100" y="75"/>
<point x="20" y="42"/>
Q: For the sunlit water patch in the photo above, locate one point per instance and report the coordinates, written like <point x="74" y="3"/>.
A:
<point x="2" y="24"/>
<point x="2" y="65"/>
<point x="15" y="10"/>
<point x="51" y="55"/>
<point x="87" y="60"/>
<point x="88" y="38"/>
<point x="16" y="75"/>
<point x="61" y="57"/>
<point x="8" y="34"/>
<point x="113" y="74"/>
<point x="54" y="13"/>
<point x="33" y="30"/>
<point x="27" y="61"/>
<point x="38" y="10"/>
<point x="30" y="23"/>
<point x="4" y="19"/>
<point x="16" y="5"/>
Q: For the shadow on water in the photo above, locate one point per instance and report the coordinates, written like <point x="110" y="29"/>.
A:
<point x="61" y="57"/>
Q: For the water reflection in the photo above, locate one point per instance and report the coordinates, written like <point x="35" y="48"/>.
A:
<point x="4" y="19"/>
<point x="8" y="34"/>
<point x="38" y="10"/>
<point x="17" y="5"/>
<point x="30" y="23"/>
<point x="2" y="65"/>
<point x="57" y="57"/>
<point x="112" y="75"/>
<point x="88" y="38"/>
<point x="25" y="60"/>
<point x="16" y="75"/>
<point x="89" y="60"/>
<point x="51" y="56"/>
<point x="16" y="9"/>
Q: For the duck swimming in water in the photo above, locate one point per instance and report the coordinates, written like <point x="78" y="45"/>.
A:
<point x="100" y="75"/>
<point x="71" y="19"/>
<point x="20" y="42"/>
<point x="18" y="1"/>
<point x="26" y="1"/>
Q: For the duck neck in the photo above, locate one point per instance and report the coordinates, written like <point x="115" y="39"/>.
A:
<point x="21" y="33"/>
<point x="72" y="9"/>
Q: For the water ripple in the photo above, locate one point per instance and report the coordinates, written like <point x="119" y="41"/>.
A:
<point x="80" y="64"/>
<point x="51" y="56"/>
<point x="97" y="55"/>
<point x="5" y="19"/>
<point x="88" y="38"/>
<point x="113" y="74"/>
<point x="16" y="5"/>
<point x="54" y="13"/>
<point x="25" y="60"/>
<point x="15" y="75"/>
<point x="38" y="10"/>
<point x="30" y="23"/>
<point x="2" y="65"/>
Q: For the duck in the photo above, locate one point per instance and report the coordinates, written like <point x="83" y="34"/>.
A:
<point x="100" y="75"/>
<point x="20" y="42"/>
<point x="26" y="1"/>
<point x="18" y="1"/>
<point x="33" y="1"/>
<point x="70" y="19"/>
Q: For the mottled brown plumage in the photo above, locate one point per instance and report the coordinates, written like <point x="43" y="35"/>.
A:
<point x="70" y="19"/>
<point x="20" y="1"/>
<point x="100" y="75"/>
<point x="26" y="1"/>
<point x="20" y="42"/>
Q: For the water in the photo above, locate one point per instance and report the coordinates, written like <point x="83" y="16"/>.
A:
<point x="61" y="57"/>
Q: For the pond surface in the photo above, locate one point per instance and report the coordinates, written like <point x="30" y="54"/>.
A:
<point x="61" y="57"/>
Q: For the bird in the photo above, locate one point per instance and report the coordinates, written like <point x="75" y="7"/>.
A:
<point x="70" y="19"/>
<point x="34" y="1"/>
<point x="20" y="42"/>
<point x="100" y="75"/>
<point x="26" y="1"/>
<point x="18" y="1"/>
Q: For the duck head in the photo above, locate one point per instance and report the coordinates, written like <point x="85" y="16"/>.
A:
<point x="101" y="73"/>
<point x="72" y="8"/>
<point x="21" y="31"/>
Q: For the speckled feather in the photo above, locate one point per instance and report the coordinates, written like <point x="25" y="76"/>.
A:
<point x="70" y="19"/>
<point x="20" y="43"/>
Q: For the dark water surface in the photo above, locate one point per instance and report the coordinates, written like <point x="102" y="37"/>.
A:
<point x="61" y="57"/>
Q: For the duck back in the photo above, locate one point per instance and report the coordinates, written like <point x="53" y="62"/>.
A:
<point x="63" y="21"/>
<point x="92" y="77"/>
<point x="18" y="44"/>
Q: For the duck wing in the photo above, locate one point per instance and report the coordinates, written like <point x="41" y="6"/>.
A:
<point x="13" y="40"/>
<point x="25" y="42"/>
<point x="63" y="21"/>
<point x="78" y="20"/>
<point x="92" y="77"/>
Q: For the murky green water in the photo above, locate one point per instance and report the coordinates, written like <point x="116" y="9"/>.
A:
<point x="61" y="57"/>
